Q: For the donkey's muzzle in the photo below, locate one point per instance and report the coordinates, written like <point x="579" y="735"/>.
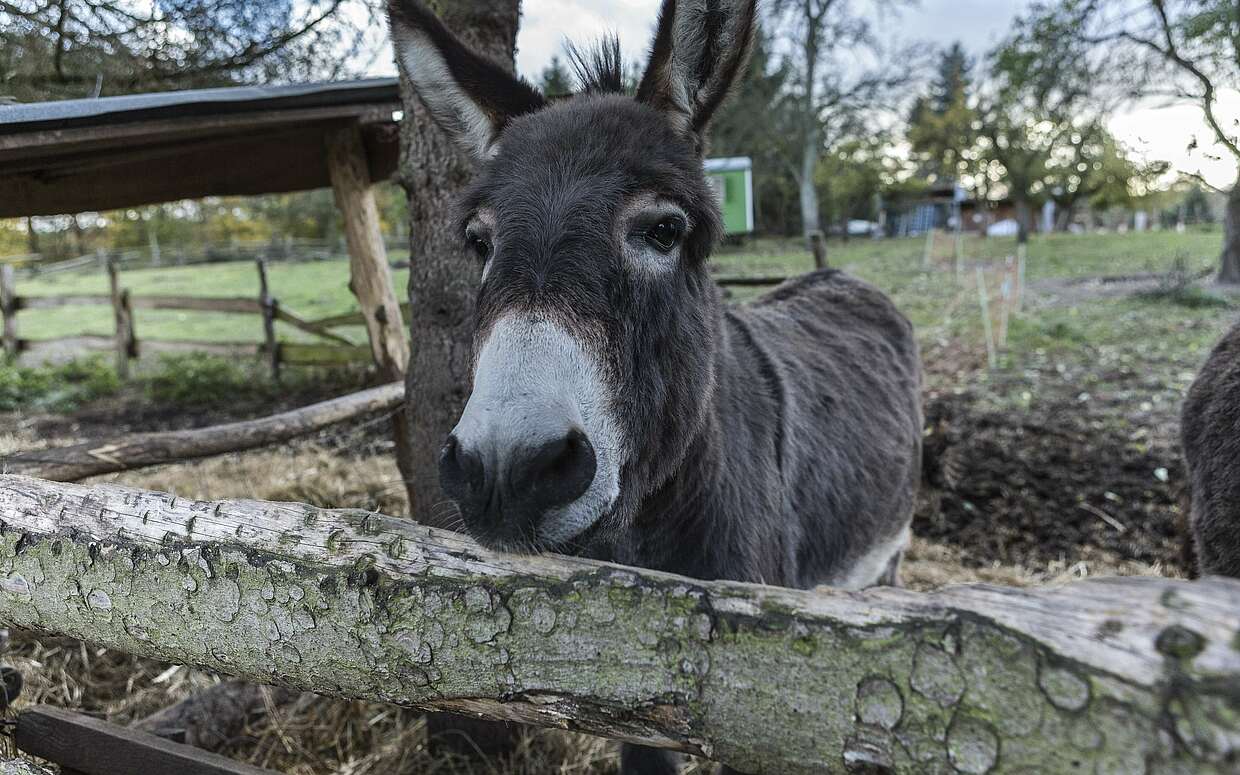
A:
<point x="505" y="491"/>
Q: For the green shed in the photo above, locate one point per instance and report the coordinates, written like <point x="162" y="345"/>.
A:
<point x="732" y="180"/>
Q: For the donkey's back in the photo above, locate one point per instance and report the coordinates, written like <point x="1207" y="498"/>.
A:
<point x="849" y="374"/>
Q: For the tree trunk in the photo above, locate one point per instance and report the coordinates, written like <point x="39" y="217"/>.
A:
<point x="810" y="223"/>
<point x="1229" y="262"/>
<point x="1101" y="676"/>
<point x="442" y="280"/>
<point x="1024" y="219"/>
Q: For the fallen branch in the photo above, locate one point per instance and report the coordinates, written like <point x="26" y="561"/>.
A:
<point x="124" y="453"/>
<point x="1099" y="676"/>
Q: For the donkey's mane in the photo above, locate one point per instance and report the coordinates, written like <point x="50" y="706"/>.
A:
<point x="599" y="67"/>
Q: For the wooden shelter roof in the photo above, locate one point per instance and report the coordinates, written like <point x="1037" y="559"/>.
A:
<point x="101" y="154"/>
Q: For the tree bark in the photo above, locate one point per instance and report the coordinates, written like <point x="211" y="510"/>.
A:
<point x="1229" y="261"/>
<point x="1100" y="676"/>
<point x="140" y="450"/>
<point x="442" y="281"/>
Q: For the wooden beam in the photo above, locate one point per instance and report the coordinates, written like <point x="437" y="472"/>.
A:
<point x="370" y="277"/>
<point x="94" y="747"/>
<point x="140" y="450"/>
<point x="290" y="159"/>
<point x="1115" y="676"/>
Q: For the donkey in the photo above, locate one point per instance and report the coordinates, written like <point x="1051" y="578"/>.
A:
<point x="619" y="409"/>
<point x="1211" y="435"/>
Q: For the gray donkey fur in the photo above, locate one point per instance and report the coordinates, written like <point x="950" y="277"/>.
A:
<point x="620" y="410"/>
<point x="1211" y="435"/>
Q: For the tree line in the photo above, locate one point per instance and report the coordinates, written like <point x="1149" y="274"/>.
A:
<point x="838" y="118"/>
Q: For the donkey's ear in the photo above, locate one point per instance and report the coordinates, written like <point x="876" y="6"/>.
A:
<point x="699" y="48"/>
<point x="470" y="97"/>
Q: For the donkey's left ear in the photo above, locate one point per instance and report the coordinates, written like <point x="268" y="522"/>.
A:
<point x="470" y="97"/>
<point x="699" y="48"/>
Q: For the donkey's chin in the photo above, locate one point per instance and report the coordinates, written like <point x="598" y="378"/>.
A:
<point x="558" y="530"/>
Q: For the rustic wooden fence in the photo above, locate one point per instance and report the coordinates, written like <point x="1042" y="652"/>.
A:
<point x="1114" y="676"/>
<point x="331" y="349"/>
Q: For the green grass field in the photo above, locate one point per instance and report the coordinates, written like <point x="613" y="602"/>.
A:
<point x="937" y="303"/>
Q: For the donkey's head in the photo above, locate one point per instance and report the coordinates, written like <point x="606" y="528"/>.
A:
<point x="596" y="318"/>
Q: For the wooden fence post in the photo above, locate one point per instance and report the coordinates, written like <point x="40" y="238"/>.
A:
<point x="8" y="308"/>
<point x="268" y="305"/>
<point x="818" y="246"/>
<point x="122" y="313"/>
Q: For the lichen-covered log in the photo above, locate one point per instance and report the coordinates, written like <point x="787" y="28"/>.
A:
<point x="139" y="450"/>
<point x="1138" y="675"/>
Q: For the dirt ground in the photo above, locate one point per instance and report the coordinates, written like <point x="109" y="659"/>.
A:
<point x="1023" y="488"/>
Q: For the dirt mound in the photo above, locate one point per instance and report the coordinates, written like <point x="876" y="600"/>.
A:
<point x="1052" y="484"/>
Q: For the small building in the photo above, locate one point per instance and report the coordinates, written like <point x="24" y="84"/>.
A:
<point x="732" y="179"/>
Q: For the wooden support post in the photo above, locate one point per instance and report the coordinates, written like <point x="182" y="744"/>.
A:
<point x="8" y="309"/>
<point x="268" y="305"/>
<point x="123" y="315"/>
<point x="370" y="276"/>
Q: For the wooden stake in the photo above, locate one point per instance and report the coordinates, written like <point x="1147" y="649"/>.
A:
<point x="269" y="308"/>
<point x="983" y="295"/>
<point x="818" y="247"/>
<point x="928" y="250"/>
<point x="8" y="308"/>
<point x="1021" y="253"/>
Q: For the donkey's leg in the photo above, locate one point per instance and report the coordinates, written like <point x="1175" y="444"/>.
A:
<point x="891" y="576"/>
<point x="640" y="760"/>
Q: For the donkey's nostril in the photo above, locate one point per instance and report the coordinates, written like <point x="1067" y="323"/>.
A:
<point x="557" y="472"/>
<point x="461" y="472"/>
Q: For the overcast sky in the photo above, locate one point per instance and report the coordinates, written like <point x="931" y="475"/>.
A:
<point x="979" y="24"/>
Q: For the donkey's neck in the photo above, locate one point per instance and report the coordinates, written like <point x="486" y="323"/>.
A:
<point x="718" y="515"/>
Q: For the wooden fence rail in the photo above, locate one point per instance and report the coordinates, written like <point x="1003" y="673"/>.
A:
<point x="126" y="344"/>
<point x="1118" y="676"/>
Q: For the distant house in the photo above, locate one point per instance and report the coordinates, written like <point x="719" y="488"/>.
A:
<point x="732" y="180"/>
<point x="938" y="207"/>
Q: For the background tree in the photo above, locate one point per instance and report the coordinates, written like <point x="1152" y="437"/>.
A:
<point x="1043" y="104"/>
<point x="57" y="49"/>
<point x="556" y="81"/>
<point x="840" y="78"/>
<point x="1185" y="50"/>
<point x="941" y="126"/>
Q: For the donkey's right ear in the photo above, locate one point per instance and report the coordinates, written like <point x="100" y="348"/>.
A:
<point x="470" y="97"/>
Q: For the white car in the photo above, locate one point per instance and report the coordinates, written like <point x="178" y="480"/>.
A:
<point x="1005" y="228"/>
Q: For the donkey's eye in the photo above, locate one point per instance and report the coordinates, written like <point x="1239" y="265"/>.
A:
<point x="666" y="234"/>
<point x="479" y="245"/>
